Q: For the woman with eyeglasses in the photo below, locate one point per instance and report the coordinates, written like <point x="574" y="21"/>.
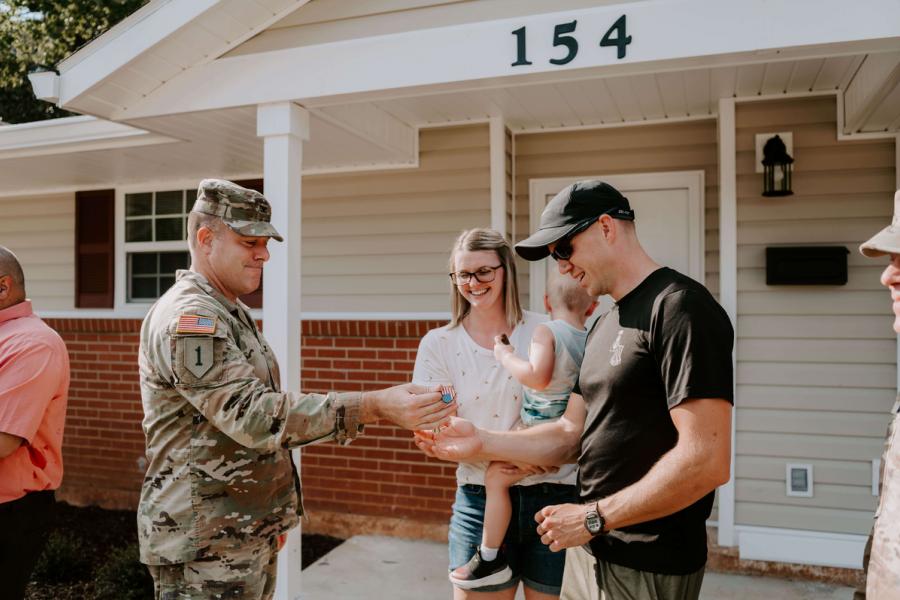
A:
<point x="484" y="303"/>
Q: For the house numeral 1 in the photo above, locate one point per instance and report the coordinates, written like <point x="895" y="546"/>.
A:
<point x="616" y="36"/>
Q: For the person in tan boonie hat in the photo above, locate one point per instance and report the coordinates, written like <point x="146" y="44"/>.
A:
<point x="881" y="559"/>
<point x="886" y="241"/>
<point x="245" y="211"/>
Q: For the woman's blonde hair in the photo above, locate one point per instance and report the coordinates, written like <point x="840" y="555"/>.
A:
<point x="474" y="240"/>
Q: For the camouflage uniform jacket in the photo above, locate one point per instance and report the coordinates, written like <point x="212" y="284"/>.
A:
<point x="218" y="428"/>
<point x="883" y="576"/>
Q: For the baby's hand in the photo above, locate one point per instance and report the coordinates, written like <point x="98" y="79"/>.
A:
<point x="502" y="347"/>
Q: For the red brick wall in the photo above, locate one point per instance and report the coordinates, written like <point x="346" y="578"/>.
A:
<point x="103" y="439"/>
<point x="381" y="474"/>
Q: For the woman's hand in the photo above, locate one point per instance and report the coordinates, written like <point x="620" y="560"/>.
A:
<point x="457" y="441"/>
<point x="502" y="348"/>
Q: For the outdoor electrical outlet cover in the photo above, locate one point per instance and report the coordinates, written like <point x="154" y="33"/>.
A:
<point x="799" y="480"/>
<point x="761" y="138"/>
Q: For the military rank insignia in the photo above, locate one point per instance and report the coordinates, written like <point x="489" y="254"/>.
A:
<point x="196" y="324"/>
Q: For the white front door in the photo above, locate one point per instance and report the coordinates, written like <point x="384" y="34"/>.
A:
<point x="668" y="210"/>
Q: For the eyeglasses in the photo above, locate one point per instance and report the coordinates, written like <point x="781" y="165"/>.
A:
<point x="563" y="250"/>
<point x="483" y="275"/>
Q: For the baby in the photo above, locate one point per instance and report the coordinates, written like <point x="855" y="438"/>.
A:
<point x="548" y="376"/>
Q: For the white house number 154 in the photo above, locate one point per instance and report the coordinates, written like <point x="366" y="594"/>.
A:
<point x="562" y="36"/>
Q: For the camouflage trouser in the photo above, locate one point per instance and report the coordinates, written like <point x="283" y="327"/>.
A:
<point x="245" y="574"/>
<point x="883" y="562"/>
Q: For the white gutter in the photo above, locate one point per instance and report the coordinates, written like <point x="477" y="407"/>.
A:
<point x="72" y="134"/>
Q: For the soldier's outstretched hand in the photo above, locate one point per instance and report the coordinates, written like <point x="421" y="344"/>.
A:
<point x="409" y="406"/>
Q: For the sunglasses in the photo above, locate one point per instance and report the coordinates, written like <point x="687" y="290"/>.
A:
<point x="563" y="250"/>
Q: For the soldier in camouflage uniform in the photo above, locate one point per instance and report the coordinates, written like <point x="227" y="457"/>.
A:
<point x="220" y="485"/>
<point x="882" y="557"/>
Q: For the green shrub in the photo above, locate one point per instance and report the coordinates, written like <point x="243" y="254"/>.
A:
<point x="123" y="577"/>
<point x="64" y="559"/>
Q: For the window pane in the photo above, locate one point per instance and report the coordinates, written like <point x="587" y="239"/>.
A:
<point x="165" y="283"/>
<point x="190" y="196"/>
<point x="169" y="229"/>
<point x="169" y="203"/>
<point x="143" y="288"/>
<point x="138" y="204"/>
<point x="169" y="262"/>
<point x="138" y="230"/>
<point x="143" y="263"/>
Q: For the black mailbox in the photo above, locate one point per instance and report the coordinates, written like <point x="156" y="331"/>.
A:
<point x="806" y="265"/>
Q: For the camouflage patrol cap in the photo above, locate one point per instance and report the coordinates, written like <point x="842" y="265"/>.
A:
<point x="246" y="211"/>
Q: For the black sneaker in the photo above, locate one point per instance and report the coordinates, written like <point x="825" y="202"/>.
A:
<point x="479" y="572"/>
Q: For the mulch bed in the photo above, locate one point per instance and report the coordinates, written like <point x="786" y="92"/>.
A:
<point x="85" y="538"/>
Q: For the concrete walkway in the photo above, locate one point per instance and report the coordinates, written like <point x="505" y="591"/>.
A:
<point x="373" y="567"/>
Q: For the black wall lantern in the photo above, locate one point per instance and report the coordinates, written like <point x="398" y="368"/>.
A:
<point x="776" y="168"/>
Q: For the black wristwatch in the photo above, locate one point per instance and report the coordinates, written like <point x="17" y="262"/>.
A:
<point x="594" y="521"/>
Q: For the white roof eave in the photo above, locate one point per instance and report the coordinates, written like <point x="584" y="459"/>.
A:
<point x="667" y="35"/>
<point x="71" y="135"/>
<point x="151" y="26"/>
<point x="113" y="50"/>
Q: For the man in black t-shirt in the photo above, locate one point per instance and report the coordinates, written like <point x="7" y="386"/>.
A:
<point x="655" y="423"/>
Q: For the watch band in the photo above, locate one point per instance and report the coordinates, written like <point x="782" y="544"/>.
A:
<point x="603" y="529"/>
<point x="594" y="521"/>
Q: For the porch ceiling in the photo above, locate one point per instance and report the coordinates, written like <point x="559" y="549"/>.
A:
<point x="645" y="97"/>
<point x="220" y="143"/>
<point x="380" y="133"/>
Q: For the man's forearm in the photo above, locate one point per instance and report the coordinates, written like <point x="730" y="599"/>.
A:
<point x="546" y="445"/>
<point x="669" y="487"/>
<point x="369" y="407"/>
<point x="698" y="464"/>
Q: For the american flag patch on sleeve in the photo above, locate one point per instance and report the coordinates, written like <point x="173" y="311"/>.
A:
<point x="196" y="324"/>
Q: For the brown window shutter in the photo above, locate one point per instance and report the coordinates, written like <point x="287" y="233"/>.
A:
<point x="94" y="248"/>
<point x="253" y="299"/>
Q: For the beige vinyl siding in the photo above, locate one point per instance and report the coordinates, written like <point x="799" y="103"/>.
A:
<point x="686" y="146"/>
<point x="40" y="230"/>
<point x="379" y="241"/>
<point x="322" y="21"/>
<point x="816" y="369"/>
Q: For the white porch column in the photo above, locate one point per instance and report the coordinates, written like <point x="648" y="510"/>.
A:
<point x="728" y="287"/>
<point x="498" y="174"/>
<point x="283" y="127"/>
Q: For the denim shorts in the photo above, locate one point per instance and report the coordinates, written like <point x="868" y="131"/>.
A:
<point x="531" y="561"/>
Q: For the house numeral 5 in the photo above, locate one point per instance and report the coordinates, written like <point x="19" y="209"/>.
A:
<point x="616" y="36"/>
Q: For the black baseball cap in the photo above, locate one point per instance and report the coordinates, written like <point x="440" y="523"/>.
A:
<point x="580" y="202"/>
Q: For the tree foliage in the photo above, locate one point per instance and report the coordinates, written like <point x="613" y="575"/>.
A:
<point x="42" y="33"/>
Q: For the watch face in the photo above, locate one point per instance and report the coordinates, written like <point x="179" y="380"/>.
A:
<point x="592" y="522"/>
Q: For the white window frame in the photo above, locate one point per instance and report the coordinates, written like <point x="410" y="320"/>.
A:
<point x="121" y="305"/>
<point x="138" y="310"/>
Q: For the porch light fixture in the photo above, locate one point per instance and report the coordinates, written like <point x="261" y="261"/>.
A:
<point x="776" y="168"/>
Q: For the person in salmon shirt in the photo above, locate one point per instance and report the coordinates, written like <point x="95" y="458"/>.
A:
<point x="34" y="388"/>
